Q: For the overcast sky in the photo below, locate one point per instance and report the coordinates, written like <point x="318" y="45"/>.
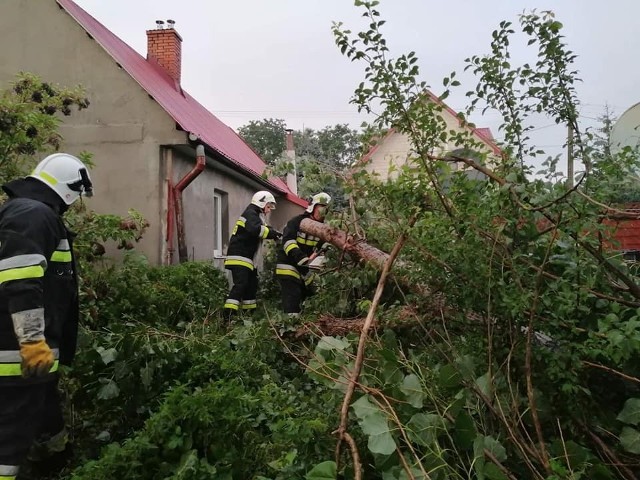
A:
<point x="253" y="59"/>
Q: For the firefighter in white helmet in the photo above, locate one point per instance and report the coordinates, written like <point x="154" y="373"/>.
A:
<point x="38" y="307"/>
<point x="250" y="229"/>
<point x="297" y="252"/>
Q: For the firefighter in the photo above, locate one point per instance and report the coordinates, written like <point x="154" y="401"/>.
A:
<point x="297" y="252"/>
<point x="38" y="307"/>
<point x="248" y="233"/>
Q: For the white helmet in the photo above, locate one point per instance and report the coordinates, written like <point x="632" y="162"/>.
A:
<point x="262" y="198"/>
<point x="66" y="175"/>
<point x="318" y="199"/>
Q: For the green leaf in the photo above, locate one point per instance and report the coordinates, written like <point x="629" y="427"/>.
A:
<point x="449" y="377"/>
<point x="464" y="431"/>
<point x="109" y="390"/>
<point x="478" y="454"/>
<point x="423" y="428"/>
<point x="484" y="384"/>
<point x="571" y="452"/>
<point x="383" y="444"/>
<point x="374" y="423"/>
<point x="332" y="343"/>
<point x="466" y="366"/>
<point x="412" y="388"/>
<point x="146" y="375"/>
<point x="630" y="440"/>
<point x="363" y="407"/>
<point x="630" y="413"/>
<point x="323" y="471"/>
<point x="285" y="461"/>
<point x="109" y="355"/>
<point x="492" y="472"/>
<point x="491" y="444"/>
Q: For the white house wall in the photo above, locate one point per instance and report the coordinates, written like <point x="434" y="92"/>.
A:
<point x="394" y="150"/>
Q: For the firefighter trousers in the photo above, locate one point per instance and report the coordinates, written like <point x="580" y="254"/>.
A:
<point x="28" y="413"/>
<point x="242" y="295"/>
<point x="293" y="293"/>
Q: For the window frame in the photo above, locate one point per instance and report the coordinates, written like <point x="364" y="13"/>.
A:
<point x="218" y="225"/>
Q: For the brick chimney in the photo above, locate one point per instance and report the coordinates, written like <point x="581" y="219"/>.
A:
<point x="164" y="45"/>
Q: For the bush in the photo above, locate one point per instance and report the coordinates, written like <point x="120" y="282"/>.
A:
<point x="160" y="388"/>
<point x="155" y="296"/>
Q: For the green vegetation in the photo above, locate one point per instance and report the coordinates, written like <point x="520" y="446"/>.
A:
<point x="506" y="344"/>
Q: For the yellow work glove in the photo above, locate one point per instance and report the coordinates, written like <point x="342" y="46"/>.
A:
<point x="37" y="358"/>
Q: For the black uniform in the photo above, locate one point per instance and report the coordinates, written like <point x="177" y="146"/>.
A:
<point x="36" y="272"/>
<point x="249" y="231"/>
<point x="294" y="276"/>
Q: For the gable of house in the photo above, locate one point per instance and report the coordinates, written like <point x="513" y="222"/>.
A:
<point x="394" y="149"/>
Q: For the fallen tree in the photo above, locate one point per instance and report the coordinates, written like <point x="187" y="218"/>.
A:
<point x="345" y="242"/>
<point x="376" y="258"/>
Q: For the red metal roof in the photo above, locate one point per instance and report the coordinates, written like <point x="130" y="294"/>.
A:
<point x="184" y="109"/>
<point x="485" y="132"/>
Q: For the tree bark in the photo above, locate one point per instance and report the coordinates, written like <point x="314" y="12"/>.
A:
<point x="377" y="258"/>
<point x="345" y="242"/>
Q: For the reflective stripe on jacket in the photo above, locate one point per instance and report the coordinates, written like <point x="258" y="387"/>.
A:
<point x="250" y="229"/>
<point x="36" y="271"/>
<point x="296" y="248"/>
<point x="10" y="363"/>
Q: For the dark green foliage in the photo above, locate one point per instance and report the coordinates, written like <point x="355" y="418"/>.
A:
<point x="323" y="157"/>
<point x="29" y="121"/>
<point x="531" y="351"/>
<point x="232" y="427"/>
<point x="158" y="372"/>
<point x="156" y="296"/>
<point x="266" y="137"/>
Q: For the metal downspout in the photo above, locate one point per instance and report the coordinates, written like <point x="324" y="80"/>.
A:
<point x="170" y="218"/>
<point x="183" y="254"/>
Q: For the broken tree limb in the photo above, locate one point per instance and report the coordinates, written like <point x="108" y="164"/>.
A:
<point x="345" y="242"/>
<point x="357" y="368"/>
<point x="371" y="255"/>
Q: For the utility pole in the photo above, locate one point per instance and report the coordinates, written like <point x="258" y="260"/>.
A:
<point x="570" y="156"/>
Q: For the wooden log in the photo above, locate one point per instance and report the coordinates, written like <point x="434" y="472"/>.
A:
<point x="344" y="241"/>
<point x="375" y="257"/>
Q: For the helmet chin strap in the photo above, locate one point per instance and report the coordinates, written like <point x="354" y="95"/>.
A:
<point x="83" y="185"/>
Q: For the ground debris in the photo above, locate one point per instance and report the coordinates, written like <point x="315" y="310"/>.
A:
<point x="329" y="325"/>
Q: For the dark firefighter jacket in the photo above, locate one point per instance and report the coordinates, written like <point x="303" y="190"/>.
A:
<point x="247" y="234"/>
<point x="296" y="248"/>
<point x="37" y="270"/>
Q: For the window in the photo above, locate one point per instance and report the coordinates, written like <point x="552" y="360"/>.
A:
<point x="217" y="224"/>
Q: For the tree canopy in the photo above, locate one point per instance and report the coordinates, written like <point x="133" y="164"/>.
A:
<point x="323" y="157"/>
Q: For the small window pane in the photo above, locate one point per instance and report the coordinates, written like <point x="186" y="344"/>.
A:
<point x="217" y="225"/>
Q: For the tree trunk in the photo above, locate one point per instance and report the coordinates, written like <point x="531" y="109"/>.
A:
<point x="376" y="258"/>
<point x="371" y="255"/>
<point x="345" y="242"/>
